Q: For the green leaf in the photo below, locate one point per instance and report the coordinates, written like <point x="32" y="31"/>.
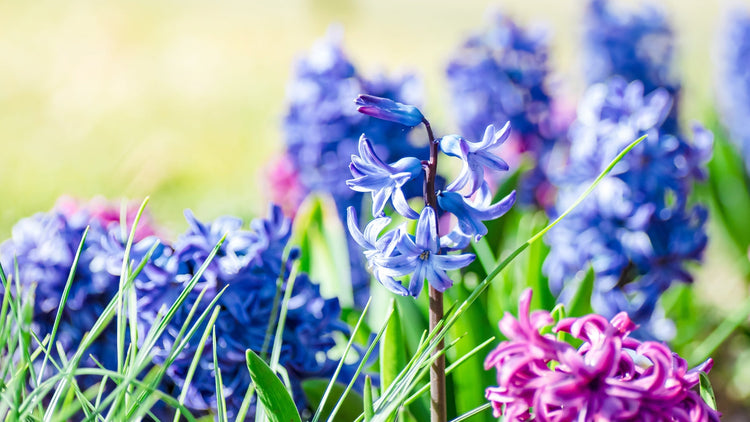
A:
<point x="369" y="413"/>
<point x="271" y="392"/>
<point x="720" y="334"/>
<point x="392" y="352"/>
<point x="580" y="303"/>
<point x="729" y="189"/>
<point x="470" y="382"/>
<point x="707" y="391"/>
<point x="325" y="252"/>
<point x="221" y="405"/>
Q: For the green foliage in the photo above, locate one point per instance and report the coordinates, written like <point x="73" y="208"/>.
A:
<point x="392" y="351"/>
<point x="322" y="239"/>
<point x="271" y="392"/>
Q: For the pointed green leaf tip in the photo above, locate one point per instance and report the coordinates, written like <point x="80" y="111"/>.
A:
<point x="707" y="392"/>
<point x="271" y="392"/>
<point x="369" y="413"/>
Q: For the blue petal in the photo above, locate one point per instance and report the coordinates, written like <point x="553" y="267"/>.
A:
<point x="452" y="262"/>
<point x="391" y="284"/>
<point x="438" y="279"/>
<point x="416" y="282"/>
<point x="402" y="206"/>
<point x="426" y="234"/>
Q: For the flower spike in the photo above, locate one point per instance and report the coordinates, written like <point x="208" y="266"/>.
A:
<point x="424" y="255"/>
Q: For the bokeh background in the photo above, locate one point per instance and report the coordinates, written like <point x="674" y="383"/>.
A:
<point x="182" y="100"/>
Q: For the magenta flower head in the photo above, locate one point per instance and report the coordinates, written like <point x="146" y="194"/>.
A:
<point x="385" y="109"/>
<point x="610" y="377"/>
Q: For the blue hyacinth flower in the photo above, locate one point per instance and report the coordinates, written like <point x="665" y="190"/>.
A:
<point x="382" y="180"/>
<point x="376" y="248"/>
<point x="389" y="110"/>
<point x="419" y="256"/>
<point x="472" y="213"/>
<point x="475" y="156"/>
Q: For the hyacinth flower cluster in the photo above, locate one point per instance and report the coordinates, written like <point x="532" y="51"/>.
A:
<point x="609" y="377"/>
<point x="633" y="45"/>
<point x="423" y="255"/>
<point x="637" y="229"/>
<point x="44" y="247"/>
<point x="499" y="75"/>
<point x="733" y="83"/>
<point x="254" y="265"/>
<point x="321" y="131"/>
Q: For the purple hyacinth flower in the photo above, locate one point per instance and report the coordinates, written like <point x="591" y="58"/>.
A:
<point x="382" y="180"/>
<point x="471" y="213"/>
<point x="375" y="247"/>
<point x="392" y="111"/>
<point x="420" y="257"/>
<point x="475" y="156"/>
<point x="610" y="377"/>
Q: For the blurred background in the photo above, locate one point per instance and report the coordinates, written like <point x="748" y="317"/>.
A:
<point x="183" y="101"/>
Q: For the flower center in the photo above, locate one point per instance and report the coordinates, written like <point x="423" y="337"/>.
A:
<point x="424" y="255"/>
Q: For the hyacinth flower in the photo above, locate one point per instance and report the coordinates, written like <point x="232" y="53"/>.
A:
<point x="389" y="254"/>
<point x="107" y="213"/>
<point x="321" y="131"/>
<point x="476" y="156"/>
<point x="733" y="82"/>
<point x="609" y="377"/>
<point x="421" y="256"/>
<point x="637" y="230"/>
<point x="499" y="75"/>
<point x="249" y="264"/>
<point x="381" y="180"/>
<point x="44" y="247"/>
<point x="633" y="45"/>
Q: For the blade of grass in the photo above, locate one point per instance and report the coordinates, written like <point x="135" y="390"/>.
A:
<point x="196" y="359"/>
<point x="177" y="348"/>
<point x="360" y="367"/>
<point x="260" y="411"/>
<point x="121" y="315"/>
<point x="369" y="413"/>
<point x="221" y="404"/>
<point x="64" y="299"/>
<point x="109" y="313"/>
<point x="449" y="369"/>
<point x="471" y="413"/>
<point x="322" y="404"/>
<point x="720" y="334"/>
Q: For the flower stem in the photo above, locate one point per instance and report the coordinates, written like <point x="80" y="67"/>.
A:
<point x="437" y="370"/>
